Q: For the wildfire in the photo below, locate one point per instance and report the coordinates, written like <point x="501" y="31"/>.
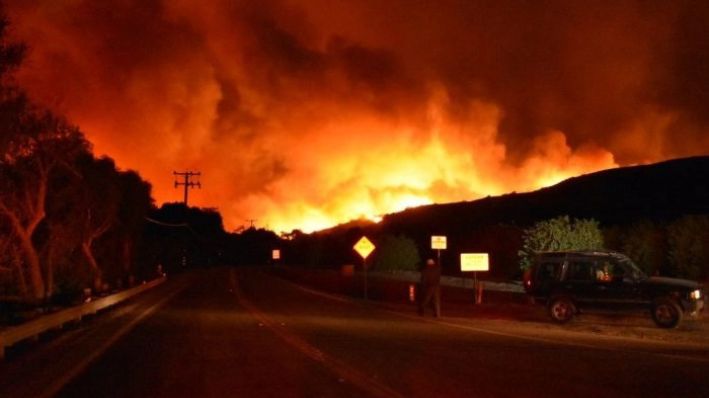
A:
<point x="346" y="175"/>
<point x="303" y="115"/>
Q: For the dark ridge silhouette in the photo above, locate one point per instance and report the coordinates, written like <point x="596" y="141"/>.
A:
<point x="657" y="192"/>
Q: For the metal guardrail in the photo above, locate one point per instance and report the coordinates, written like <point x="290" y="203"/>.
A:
<point x="454" y="281"/>
<point x="35" y="327"/>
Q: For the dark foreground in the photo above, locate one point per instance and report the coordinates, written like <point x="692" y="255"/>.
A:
<point x="243" y="332"/>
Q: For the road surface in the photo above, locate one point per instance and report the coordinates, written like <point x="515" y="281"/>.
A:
<point x="243" y="332"/>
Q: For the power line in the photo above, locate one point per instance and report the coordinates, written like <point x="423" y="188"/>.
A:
<point x="164" y="224"/>
<point x="174" y="225"/>
<point x="187" y="175"/>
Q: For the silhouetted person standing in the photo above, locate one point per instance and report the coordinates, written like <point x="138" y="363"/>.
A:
<point x="431" y="287"/>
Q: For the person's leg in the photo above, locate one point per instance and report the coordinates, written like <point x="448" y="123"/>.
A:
<point x="425" y="299"/>
<point x="437" y="301"/>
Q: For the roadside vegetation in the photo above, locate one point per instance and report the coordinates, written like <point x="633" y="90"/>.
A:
<point x="678" y="249"/>
<point x="68" y="220"/>
<point x="397" y="253"/>
<point x="561" y="233"/>
<point x="73" y="224"/>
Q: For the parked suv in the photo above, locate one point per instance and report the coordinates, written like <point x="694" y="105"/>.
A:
<point x="576" y="281"/>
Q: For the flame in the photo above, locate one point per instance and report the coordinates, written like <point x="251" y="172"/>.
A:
<point x="361" y="166"/>
<point x="385" y="170"/>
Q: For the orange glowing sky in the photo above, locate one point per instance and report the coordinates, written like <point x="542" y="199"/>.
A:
<point x="305" y="114"/>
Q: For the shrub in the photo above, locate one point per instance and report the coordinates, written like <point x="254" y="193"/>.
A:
<point x="688" y="240"/>
<point x="396" y="253"/>
<point x="559" y="233"/>
<point x="645" y="243"/>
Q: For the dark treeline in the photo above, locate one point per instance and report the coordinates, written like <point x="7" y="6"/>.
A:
<point x="179" y="237"/>
<point x="70" y="221"/>
<point x="56" y="200"/>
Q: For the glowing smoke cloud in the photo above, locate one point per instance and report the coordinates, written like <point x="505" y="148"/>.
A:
<point x="303" y="114"/>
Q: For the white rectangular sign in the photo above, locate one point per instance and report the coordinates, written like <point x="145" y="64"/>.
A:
<point x="276" y="254"/>
<point x="438" y="242"/>
<point x="474" y="262"/>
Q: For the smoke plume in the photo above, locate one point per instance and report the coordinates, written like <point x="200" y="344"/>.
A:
<point x="303" y="114"/>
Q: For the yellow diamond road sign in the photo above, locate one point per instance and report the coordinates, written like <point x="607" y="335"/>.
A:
<point x="364" y="247"/>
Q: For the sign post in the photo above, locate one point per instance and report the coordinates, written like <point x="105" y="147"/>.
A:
<point x="439" y="242"/>
<point x="364" y="247"/>
<point x="275" y="255"/>
<point x="475" y="262"/>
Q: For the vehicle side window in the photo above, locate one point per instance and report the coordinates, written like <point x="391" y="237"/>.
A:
<point x="580" y="271"/>
<point x="549" y="271"/>
<point x="617" y="271"/>
<point x="607" y="271"/>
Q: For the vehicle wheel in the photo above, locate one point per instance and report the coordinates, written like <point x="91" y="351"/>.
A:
<point x="561" y="309"/>
<point x="666" y="313"/>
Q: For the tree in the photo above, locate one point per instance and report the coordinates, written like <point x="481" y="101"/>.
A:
<point x="33" y="143"/>
<point x="688" y="240"/>
<point x="29" y="160"/>
<point x="11" y="283"/>
<point x="134" y="206"/>
<point x="557" y="234"/>
<point x="396" y="253"/>
<point x="11" y="54"/>
<point x="58" y="203"/>
<point x="97" y="204"/>
<point x="645" y="243"/>
<point x="256" y="244"/>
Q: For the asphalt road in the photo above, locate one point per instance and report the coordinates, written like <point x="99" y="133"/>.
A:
<point x="246" y="333"/>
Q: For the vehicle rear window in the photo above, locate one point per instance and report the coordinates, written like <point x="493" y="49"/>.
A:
<point x="580" y="271"/>
<point x="549" y="271"/>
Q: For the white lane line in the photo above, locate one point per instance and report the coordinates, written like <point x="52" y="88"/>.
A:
<point x="503" y="334"/>
<point x="73" y="372"/>
<point x="344" y="371"/>
<point x="341" y="299"/>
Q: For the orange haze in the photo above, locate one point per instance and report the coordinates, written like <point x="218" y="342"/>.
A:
<point x="304" y="114"/>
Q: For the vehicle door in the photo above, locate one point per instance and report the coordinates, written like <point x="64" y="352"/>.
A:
<point x="580" y="282"/>
<point x="614" y="289"/>
<point x="547" y="276"/>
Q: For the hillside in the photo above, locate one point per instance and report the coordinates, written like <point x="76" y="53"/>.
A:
<point x="658" y="192"/>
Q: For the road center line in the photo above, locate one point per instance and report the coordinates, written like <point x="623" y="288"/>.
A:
<point x="343" y="370"/>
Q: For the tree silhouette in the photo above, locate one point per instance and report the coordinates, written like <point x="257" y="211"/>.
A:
<point x="688" y="239"/>
<point x="559" y="233"/>
<point x="396" y="253"/>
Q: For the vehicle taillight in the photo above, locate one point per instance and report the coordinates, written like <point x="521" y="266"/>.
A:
<point x="696" y="295"/>
<point x="527" y="278"/>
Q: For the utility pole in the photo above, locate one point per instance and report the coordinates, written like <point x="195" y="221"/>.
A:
<point x="252" y="222"/>
<point x="186" y="176"/>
